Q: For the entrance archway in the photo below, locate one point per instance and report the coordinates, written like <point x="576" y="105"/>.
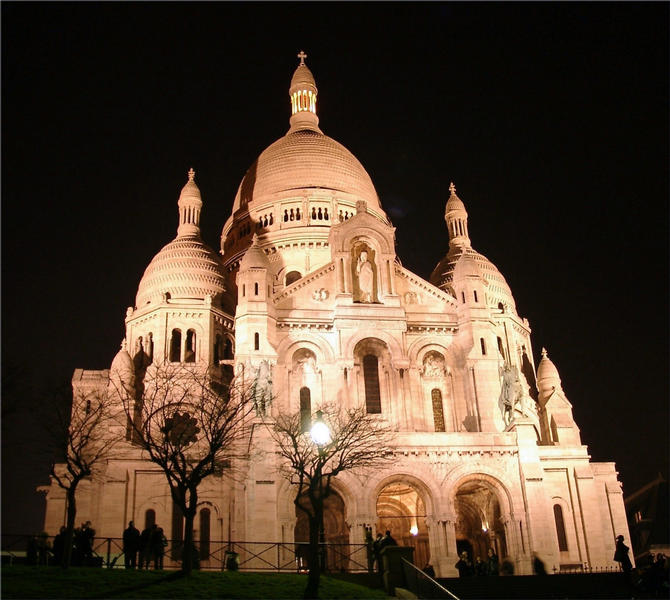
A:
<point x="402" y="510"/>
<point x="479" y="525"/>
<point x="335" y="532"/>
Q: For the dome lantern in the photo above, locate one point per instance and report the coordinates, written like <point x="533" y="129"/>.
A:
<point x="190" y="204"/>
<point x="302" y="94"/>
<point x="456" y="218"/>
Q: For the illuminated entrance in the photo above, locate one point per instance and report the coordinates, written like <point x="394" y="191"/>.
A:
<point x="402" y="510"/>
<point x="335" y="529"/>
<point x="479" y="525"/>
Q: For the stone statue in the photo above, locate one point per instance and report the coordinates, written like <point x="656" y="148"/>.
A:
<point x="514" y="397"/>
<point x="433" y="365"/>
<point x="366" y="277"/>
<point x="261" y="388"/>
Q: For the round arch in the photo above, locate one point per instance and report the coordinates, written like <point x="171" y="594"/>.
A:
<point x="391" y="343"/>
<point x="318" y="345"/>
<point x="374" y="238"/>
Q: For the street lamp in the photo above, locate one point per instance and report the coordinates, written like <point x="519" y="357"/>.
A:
<point x="321" y="437"/>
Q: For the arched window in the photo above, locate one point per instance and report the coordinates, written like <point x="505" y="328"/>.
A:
<point x="256" y="289"/>
<point x="292" y="276"/>
<point x="257" y="341"/>
<point x="474" y="293"/>
<point x="149" y="518"/>
<point x="228" y="349"/>
<point x="438" y="411"/>
<point x="501" y="307"/>
<point x="483" y="345"/>
<point x="560" y="528"/>
<point x="305" y="409"/>
<point x="373" y="403"/>
<point x="500" y="347"/>
<point x="150" y="348"/>
<point x="189" y="355"/>
<point x="175" y="346"/>
<point x="204" y="533"/>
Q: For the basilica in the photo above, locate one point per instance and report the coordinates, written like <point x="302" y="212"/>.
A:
<point x="307" y="288"/>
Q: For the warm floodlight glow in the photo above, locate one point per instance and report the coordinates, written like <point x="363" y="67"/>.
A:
<point x="320" y="432"/>
<point x="414" y="530"/>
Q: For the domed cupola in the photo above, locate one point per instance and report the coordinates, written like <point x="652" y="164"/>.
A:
<point x="186" y="268"/>
<point x="548" y="378"/>
<point x="122" y="371"/>
<point x="303" y="94"/>
<point x="462" y="262"/>
<point x="297" y="188"/>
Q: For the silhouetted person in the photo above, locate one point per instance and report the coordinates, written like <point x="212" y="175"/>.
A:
<point x="538" y="565"/>
<point x="621" y="556"/>
<point x="480" y="567"/>
<point x="492" y="563"/>
<point x="158" y="543"/>
<point x="59" y="545"/>
<point x="376" y="549"/>
<point x="131" y="545"/>
<point x="507" y="567"/>
<point x="387" y="540"/>
<point x="464" y="565"/>
<point x="85" y="542"/>
<point x="145" y="548"/>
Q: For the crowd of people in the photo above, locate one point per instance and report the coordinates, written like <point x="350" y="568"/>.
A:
<point x="141" y="549"/>
<point x="480" y="568"/>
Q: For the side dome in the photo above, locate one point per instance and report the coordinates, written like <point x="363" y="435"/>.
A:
<point x="464" y="261"/>
<point x="186" y="268"/>
<point x="305" y="159"/>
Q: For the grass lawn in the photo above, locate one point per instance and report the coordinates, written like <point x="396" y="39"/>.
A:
<point x="54" y="582"/>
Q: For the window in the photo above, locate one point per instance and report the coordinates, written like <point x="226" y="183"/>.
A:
<point x="149" y="518"/>
<point x="438" y="411"/>
<point x="305" y="409"/>
<point x="204" y="533"/>
<point x="175" y="346"/>
<point x="218" y="349"/>
<point x="373" y="402"/>
<point x="292" y="276"/>
<point x="483" y="345"/>
<point x="463" y="297"/>
<point x="244" y="290"/>
<point x="474" y="293"/>
<point x="257" y="341"/>
<point x="256" y="289"/>
<point x="189" y="354"/>
<point x="560" y="528"/>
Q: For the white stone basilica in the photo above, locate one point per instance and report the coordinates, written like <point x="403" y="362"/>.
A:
<point x="307" y="287"/>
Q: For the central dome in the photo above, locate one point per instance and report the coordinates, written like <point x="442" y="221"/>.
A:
<point x="305" y="159"/>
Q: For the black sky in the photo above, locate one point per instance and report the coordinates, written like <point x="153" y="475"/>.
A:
<point x="551" y="119"/>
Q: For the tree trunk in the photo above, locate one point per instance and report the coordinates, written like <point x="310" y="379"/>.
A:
<point x="314" y="556"/>
<point x="71" y="516"/>
<point x="189" y="557"/>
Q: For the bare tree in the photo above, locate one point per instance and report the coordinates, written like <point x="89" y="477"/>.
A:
<point x="82" y="434"/>
<point x="191" y="424"/>
<point x="356" y="442"/>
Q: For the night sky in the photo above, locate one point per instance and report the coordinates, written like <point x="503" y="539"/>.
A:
<point x="551" y="119"/>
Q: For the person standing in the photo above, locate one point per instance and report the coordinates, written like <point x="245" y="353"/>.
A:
<point x="464" y="565"/>
<point x="492" y="563"/>
<point x="59" y="545"/>
<point x="131" y="545"/>
<point x="621" y="556"/>
<point x="145" y="548"/>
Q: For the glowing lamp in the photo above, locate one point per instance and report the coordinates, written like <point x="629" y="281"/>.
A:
<point x="414" y="530"/>
<point x="319" y="431"/>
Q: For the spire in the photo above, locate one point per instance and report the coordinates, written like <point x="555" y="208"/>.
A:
<point x="456" y="218"/>
<point x="190" y="204"/>
<point x="302" y="94"/>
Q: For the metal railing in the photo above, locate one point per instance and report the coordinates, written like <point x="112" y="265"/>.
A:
<point x="211" y="555"/>
<point x="422" y="584"/>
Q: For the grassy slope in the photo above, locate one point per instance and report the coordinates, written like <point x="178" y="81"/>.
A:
<point x="53" y="582"/>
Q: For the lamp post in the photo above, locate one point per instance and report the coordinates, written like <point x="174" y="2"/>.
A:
<point x="321" y="437"/>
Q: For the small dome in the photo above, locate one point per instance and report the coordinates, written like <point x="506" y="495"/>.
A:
<point x="122" y="367"/>
<point x="186" y="269"/>
<point x="461" y="262"/>
<point x="302" y="77"/>
<point x="305" y="159"/>
<point x="254" y="257"/>
<point x="547" y="375"/>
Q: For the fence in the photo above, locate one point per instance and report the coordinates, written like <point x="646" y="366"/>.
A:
<point x="212" y="555"/>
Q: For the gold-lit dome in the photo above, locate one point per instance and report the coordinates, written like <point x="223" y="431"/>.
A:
<point x="186" y="268"/>
<point x="305" y="159"/>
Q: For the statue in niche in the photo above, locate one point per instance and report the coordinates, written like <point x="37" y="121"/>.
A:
<point x="261" y="388"/>
<point x="365" y="276"/>
<point x="433" y="365"/>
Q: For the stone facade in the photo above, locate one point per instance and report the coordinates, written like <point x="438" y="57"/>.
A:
<point x="308" y="291"/>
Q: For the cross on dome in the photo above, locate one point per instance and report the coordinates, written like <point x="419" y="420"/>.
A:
<point x="544" y="353"/>
<point x="302" y="56"/>
<point x="452" y="188"/>
<point x="191" y="174"/>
